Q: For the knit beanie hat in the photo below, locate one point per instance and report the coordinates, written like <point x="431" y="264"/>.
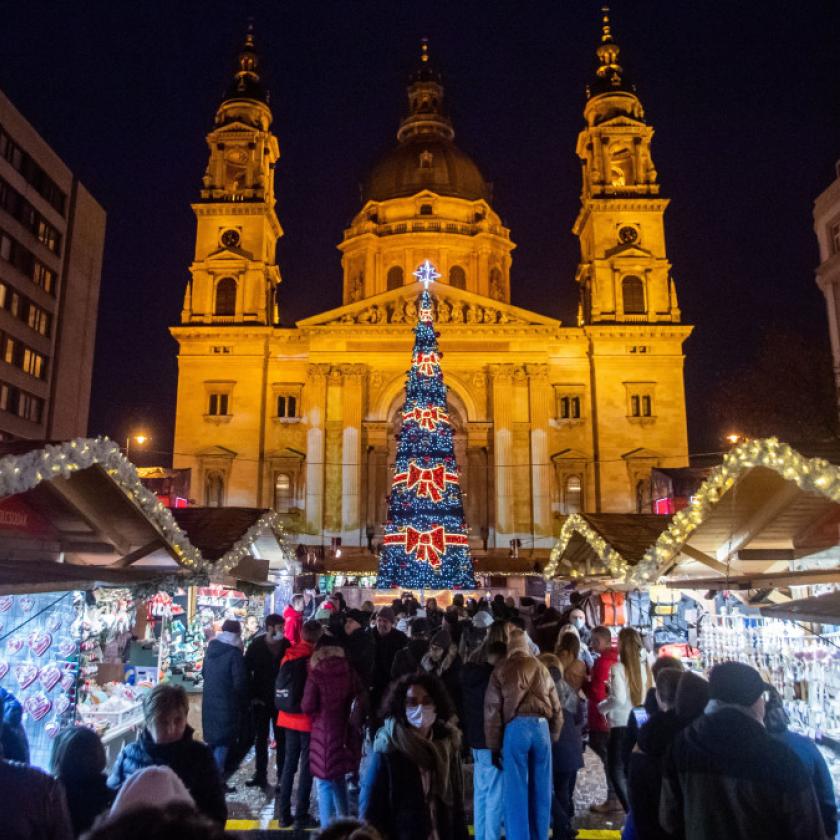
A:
<point x="735" y="682"/>
<point x="482" y="619"/>
<point x="387" y="613"/>
<point x="441" y="639"/>
<point x="156" y="786"/>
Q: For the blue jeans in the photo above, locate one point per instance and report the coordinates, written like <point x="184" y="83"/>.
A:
<point x="488" y="803"/>
<point x="332" y="800"/>
<point x="526" y="762"/>
<point x="220" y="754"/>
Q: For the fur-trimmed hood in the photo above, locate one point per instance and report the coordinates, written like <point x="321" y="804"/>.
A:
<point x="326" y="652"/>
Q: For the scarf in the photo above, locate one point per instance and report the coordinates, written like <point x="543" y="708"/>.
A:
<point x="228" y="638"/>
<point x="437" y="755"/>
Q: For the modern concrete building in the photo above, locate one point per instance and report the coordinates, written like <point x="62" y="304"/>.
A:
<point x="52" y="234"/>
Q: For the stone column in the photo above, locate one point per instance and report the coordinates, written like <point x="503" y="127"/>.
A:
<point x="351" y="453"/>
<point x="502" y="384"/>
<point x="315" y="415"/>
<point x="484" y="272"/>
<point x="539" y="397"/>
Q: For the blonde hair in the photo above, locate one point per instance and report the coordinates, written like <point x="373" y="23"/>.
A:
<point x="630" y="650"/>
<point x="551" y="661"/>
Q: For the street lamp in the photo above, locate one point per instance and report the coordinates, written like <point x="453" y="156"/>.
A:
<point x="139" y="439"/>
<point x="733" y="438"/>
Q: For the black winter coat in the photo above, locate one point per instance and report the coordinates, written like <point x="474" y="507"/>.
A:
<point x="644" y="776"/>
<point x="385" y="649"/>
<point x="225" y="700"/>
<point x="474" y="680"/>
<point x="392" y="800"/>
<point x="262" y="666"/>
<point x="191" y="761"/>
<point x="407" y="660"/>
<point x="725" y="777"/>
<point x="361" y="654"/>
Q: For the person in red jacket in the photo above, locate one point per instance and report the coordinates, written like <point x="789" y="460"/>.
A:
<point x="293" y="619"/>
<point x="291" y="686"/>
<point x="596" y="691"/>
<point x="334" y="699"/>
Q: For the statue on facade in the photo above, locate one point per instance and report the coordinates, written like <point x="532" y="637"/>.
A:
<point x="443" y="312"/>
<point x="457" y="313"/>
<point x="398" y="312"/>
<point x="473" y="314"/>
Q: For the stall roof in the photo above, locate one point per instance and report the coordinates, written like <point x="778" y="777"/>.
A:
<point x="764" y="506"/>
<point x="603" y="544"/>
<point x="823" y="609"/>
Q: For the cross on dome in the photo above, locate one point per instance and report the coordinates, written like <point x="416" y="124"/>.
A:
<point x="426" y="273"/>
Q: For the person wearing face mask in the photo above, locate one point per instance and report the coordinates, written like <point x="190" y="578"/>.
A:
<point x="413" y="785"/>
<point x="577" y="619"/>
<point x="262" y="660"/>
<point x="168" y="741"/>
<point x="442" y="660"/>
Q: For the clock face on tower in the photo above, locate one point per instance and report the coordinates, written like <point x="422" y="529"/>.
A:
<point x="628" y="234"/>
<point x="230" y="238"/>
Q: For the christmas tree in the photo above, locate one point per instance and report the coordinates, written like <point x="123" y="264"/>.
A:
<point x="426" y="544"/>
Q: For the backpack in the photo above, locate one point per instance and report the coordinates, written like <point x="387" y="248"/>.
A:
<point x="289" y="685"/>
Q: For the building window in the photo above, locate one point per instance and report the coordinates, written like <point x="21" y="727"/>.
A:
<point x="633" y="295"/>
<point x="218" y="404"/>
<point x="33" y="363"/>
<point x="573" y="494"/>
<point x="569" y="408"/>
<point x="426" y="210"/>
<point x="214" y="489"/>
<point x="31" y="172"/>
<point x="282" y="492"/>
<point x="457" y="277"/>
<point x="226" y="297"/>
<point x="287" y="405"/>
<point x="835" y="238"/>
<point x="395" y="277"/>
<point x="221" y="349"/>
<point x="641" y="405"/>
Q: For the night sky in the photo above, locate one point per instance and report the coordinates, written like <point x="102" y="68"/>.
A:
<point x="744" y="97"/>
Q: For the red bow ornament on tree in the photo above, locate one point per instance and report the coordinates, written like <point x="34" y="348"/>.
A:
<point x="427" y="418"/>
<point x="426" y="362"/>
<point x="429" y="546"/>
<point x="430" y="481"/>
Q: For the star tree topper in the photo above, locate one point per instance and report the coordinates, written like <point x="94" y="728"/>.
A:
<point x="426" y="273"/>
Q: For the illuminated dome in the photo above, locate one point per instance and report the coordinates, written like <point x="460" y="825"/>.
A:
<point x="425" y="158"/>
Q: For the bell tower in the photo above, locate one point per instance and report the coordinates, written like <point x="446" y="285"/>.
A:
<point x="234" y="274"/>
<point x="624" y="273"/>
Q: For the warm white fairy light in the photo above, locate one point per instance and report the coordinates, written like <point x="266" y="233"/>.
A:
<point x="577" y="524"/>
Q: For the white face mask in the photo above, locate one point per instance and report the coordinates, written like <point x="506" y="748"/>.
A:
<point x="579" y="623"/>
<point x="420" y="717"/>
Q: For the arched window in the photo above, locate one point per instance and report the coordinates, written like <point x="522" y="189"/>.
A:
<point x="621" y="166"/>
<point x="214" y="489"/>
<point x="457" y="277"/>
<point x="633" y="295"/>
<point x="226" y="296"/>
<point x="425" y="209"/>
<point x="282" y="492"/>
<point x="573" y="494"/>
<point x="395" y="277"/>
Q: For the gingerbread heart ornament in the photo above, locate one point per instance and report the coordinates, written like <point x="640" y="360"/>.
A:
<point x="26" y="674"/>
<point x="38" y="705"/>
<point x="53" y="622"/>
<point x="26" y="603"/>
<point x="68" y="681"/>
<point x="52" y="728"/>
<point x="62" y="704"/>
<point x="67" y="647"/>
<point x="50" y="676"/>
<point x="6" y="603"/>
<point x="14" y="644"/>
<point x="39" y="642"/>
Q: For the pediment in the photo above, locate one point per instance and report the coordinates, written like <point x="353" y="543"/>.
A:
<point x="641" y="454"/>
<point x="629" y="251"/>
<point x="569" y="455"/>
<point x="233" y="127"/>
<point x="229" y="255"/>
<point x="399" y="307"/>
<point x="216" y="452"/>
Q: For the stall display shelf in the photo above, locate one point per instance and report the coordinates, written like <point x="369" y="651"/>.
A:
<point x="129" y="724"/>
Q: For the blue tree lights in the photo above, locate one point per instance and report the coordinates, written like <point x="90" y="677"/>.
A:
<point x="426" y="543"/>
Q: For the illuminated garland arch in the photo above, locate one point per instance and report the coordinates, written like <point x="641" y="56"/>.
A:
<point x="813" y="475"/>
<point x="21" y="473"/>
<point x="577" y="524"/>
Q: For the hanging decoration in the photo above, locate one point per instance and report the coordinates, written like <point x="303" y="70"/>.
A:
<point x="426" y="542"/>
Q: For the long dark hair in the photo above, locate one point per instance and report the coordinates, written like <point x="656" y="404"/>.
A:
<point x="394" y="703"/>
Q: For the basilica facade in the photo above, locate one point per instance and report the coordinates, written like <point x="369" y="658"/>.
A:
<point x="549" y="418"/>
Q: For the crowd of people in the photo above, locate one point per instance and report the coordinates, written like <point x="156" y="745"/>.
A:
<point x="408" y="717"/>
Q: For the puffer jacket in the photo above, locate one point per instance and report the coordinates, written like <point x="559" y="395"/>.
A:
<point x="36" y="808"/>
<point x="292" y="624"/>
<point x="335" y="746"/>
<point x="226" y="694"/>
<point x="520" y="686"/>
<point x="191" y="761"/>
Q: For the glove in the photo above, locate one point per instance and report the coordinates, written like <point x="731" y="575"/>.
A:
<point x="497" y="759"/>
